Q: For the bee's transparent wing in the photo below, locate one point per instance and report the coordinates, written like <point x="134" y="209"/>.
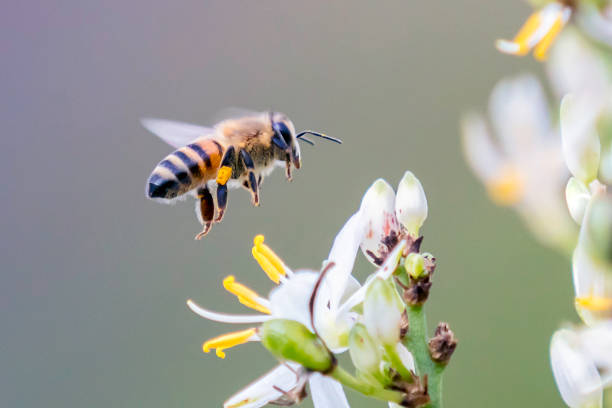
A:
<point x="175" y="133"/>
<point x="233" y="113"/>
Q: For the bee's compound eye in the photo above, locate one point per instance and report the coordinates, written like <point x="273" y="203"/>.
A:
<point x="284" y="131"/>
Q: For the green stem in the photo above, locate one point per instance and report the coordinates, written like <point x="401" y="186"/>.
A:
<point x="397" y="364"/>
<point x="345" y="378"/>
<point x="416" y="342"/>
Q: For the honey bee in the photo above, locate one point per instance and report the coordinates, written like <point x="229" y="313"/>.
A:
<point x="236" y="152"/>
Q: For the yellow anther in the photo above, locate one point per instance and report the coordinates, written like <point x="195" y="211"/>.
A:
<point x="507" y="188"/>
<point x="271" y="264"/>
<point x="526" y="31"/>
<point x="246" y="296"/>
<point x="541" y="50"/>
<point x="224" y="174"/>
<point x="595" y="303"/>
<point x="228" y="340"/>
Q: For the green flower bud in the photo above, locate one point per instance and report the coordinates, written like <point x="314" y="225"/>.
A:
<point x="382" y="311"/>
<point x="599" y="229"/>
<point x="365" y="352"/>
<point x="291" y="340"/>
<point x="415" y="265"/>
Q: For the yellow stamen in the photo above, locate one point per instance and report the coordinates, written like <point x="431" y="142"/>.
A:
<point x="246" y="296"/>
<point x="507" y="188"/>
<point x="228" y="340"/>
<point x="224" y="174"/>
<point x="541" y="50"/>
<point x="594" y="303"/>
<point x="271" y="264"/>
<point x="526" y="31"/>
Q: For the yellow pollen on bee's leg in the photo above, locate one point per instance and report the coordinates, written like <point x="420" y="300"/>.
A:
<point x="223" y="175"/>
<point x="246" y="296"/>
<point x="228" y="340"/>
<point x="271" y="263"/>
<point x="541" y="50"/>
<point x="594" y="303"/>
<point x="507" y="188"/>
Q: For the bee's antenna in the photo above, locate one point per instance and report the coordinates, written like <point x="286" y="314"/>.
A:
<point x="305" y="139"/>
<point x="317" y="134"/>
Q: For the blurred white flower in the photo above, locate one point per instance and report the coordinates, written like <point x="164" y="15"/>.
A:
<point x="581" y="360"/>
<point x="538" y="32"/>
<point x="389" y="217"/>
<point x="521" y="162"/>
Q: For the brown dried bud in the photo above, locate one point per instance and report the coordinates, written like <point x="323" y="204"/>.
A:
<point x="417" y="293"/>
<point x="404" y="325"/>
<point x="443" y="344"/>
<point x="415" y="393"/>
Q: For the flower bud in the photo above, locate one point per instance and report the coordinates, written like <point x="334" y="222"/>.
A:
<point x="599" y="229"/>
<point x="365" y="352"/>
<point x="382" y="311"/>
<point x="415" y="265"/>
<point x="290" y="340"/>
<point x="577" y="196"/>
<point x="411" y="203"/>
<point x="581" y="145"/>
<point x="575" y="373"/>
<point x="377" y="207"/>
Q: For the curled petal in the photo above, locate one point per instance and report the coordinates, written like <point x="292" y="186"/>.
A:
<point x="225" y="318"/>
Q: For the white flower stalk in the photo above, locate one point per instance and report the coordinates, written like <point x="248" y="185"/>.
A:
<point x="539" y="31"/>
<point x="581" y="146"/>
<point x="576" y="374"/>
<point x="521" y="164"/>
<point x="382" y="312"/>
<point x="389" y="217"/>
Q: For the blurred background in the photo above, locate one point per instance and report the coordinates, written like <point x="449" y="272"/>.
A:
<point x="95" y="277"/>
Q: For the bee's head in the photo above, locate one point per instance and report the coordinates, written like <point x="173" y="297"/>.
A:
<point x="284" y="129"/>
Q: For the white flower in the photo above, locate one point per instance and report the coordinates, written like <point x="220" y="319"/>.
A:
<point x="389" y="217"/>
<point x="581" y="360"/>
<point x="337" y="292"/>
<point x="521" y="163"/>
<point x="538" y="32"/>
<point x="592" y="277"/>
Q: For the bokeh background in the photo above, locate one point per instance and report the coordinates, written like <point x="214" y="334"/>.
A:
<point x="95" y="277"/>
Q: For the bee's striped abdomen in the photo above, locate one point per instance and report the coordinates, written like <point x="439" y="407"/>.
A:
<point x="185" y="169"/>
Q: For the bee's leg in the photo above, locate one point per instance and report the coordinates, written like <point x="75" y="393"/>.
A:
<point x="205" y="210"/>
<point x="223" y="175"/>
<point x="252" y="181"/>
<point x="282" y="145"/>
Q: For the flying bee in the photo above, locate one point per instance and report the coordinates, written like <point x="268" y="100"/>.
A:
<point x="236" y="152"/>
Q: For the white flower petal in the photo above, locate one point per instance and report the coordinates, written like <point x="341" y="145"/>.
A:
<point x="224" y="317"/>
<point x="411" y="203"/>
<point x="382" y="311"/>
<point x="405" y="356"/>
<point x="261" y="391"/>
<point x="327" y="392"/>
<point x="577" y="196"/>
<point x="378" y="208"/>
<point x="596" y="342"/>
<point x="384" y="272"/>
<point x="519" y="114"/>
<point x="290" y="299"/>
<point x="576" y="376"/>
<point x="343" y="254"/>
<point x="481" y="153"/>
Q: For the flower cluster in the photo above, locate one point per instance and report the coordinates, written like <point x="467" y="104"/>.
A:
<point x="311" y="317"/>
<point x="532" y="161"/>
